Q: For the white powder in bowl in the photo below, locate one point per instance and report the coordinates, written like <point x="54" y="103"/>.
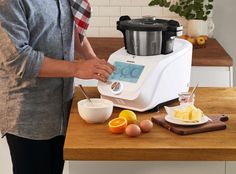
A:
<point x="96" y="103"/>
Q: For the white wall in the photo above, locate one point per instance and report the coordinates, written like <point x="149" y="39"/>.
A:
<point x="225" y="25"/>
<point x="107" y="12"/>
<point x="5" y="159"/>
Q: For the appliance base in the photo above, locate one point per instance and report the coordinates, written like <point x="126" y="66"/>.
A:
<point x="158" y="107"/>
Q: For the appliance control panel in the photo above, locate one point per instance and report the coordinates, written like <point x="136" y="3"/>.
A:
<point x="126" y="72"/>
<point x="130" y="74"/>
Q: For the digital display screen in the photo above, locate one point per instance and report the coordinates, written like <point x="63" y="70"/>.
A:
<point x="126" y="72"/>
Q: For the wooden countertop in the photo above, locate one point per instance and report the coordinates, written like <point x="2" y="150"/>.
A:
<point x="95" y="142"/>
<point x="213" y="55"/>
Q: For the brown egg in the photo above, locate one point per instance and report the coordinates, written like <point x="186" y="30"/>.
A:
<point x="146" y="126"/>
<point x="133" y="130"/>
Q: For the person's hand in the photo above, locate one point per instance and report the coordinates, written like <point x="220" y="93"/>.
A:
<point x="93" y="69"/>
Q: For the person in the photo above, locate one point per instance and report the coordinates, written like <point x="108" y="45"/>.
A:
<point x="37" y="68"/>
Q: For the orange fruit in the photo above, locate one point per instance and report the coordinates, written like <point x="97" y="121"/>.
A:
<point x="117" y="125"/>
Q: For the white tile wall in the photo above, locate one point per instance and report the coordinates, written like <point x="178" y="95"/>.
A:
<point x="120" y="3"/>
<point x="100" y="21"/>
<point x="131" y="11"/>
<point x="140" y="3"/>
<point x="152" y="11"/>
<point x="107" y="12"/>
<point x="100" y="2"/>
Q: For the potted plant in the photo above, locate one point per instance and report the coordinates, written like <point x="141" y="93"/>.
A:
<point x="189" y="9"/>
<point x="195" y="11"/>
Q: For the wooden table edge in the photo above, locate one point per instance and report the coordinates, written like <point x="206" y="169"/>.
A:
<point x="150" y="155"/>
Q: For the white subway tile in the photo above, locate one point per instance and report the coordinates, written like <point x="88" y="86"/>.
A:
<point x="113" y="21"/>
<point x="152" y="11"/>
<point x="100" y="21"/>
<point x="131" y="11"/>
<point x="167" y="13"/>
<point x="99" y="2"/>
<point x="92" y="32"/>
<point x="120" y="3"/>
<point x="109" y="32"/>
<point x="109" y="11"/>
<point x="140" y="3"/>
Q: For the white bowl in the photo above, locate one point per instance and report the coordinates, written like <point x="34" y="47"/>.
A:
<point x="96" y="112"/>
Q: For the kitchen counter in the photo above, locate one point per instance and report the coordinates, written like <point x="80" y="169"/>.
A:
<point x="95" y="142"/>
<point x="212" y="55"/>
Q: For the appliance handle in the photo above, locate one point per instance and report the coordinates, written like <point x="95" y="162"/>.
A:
<point x="179" y="33"/>
<point x="180" y="28"/>
<point x="118" y="27"/>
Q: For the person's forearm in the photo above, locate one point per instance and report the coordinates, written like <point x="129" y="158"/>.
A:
<point x="84" y="69"/>
<point x="56" y="68"/>
<point x="90" y="67"/>
<point x="85" y="50"/>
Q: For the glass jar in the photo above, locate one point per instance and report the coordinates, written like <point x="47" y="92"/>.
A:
<point x="185" y="98"/>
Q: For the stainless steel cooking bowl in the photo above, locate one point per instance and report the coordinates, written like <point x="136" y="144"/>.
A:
<point x="143" y="43"/>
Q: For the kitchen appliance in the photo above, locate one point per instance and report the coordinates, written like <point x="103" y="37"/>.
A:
<point x="149" y="36"/>
<point x="143" y="81"/>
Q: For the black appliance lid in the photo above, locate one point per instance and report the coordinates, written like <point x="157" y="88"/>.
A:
<point x="149" y="24"/>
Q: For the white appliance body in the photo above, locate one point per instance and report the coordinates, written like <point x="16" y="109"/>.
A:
<point x="151" y="80"/>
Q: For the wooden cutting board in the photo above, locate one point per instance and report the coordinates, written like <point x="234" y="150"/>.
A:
<point x="217" y="123"/>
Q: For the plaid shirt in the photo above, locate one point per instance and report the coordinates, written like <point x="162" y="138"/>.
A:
<point x="81" y="10"/>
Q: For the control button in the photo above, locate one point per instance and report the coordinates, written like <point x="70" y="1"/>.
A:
<point x="117" y="87"/>
<point x="135" y="73"/>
